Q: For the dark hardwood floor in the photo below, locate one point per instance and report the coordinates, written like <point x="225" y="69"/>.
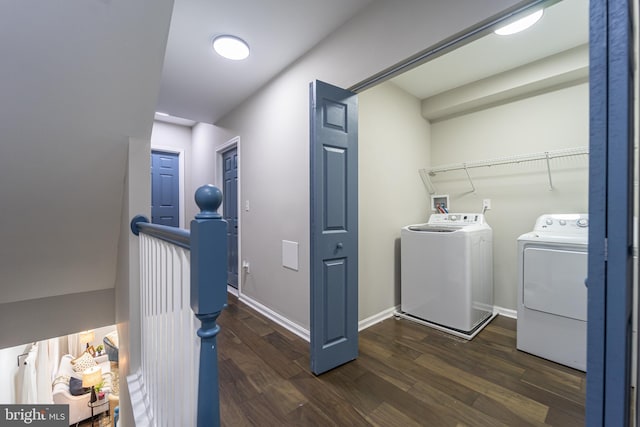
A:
<point x="406" y="375"/>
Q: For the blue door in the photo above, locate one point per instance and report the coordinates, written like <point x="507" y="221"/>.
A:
<point x="165" y="176"/>
<point x="230" y="207"/>
<point x="610" y="213"/>
<point x="334" y="226"/>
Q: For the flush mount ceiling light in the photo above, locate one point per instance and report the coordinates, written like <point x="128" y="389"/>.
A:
<point x="231" y="47"/>
<point x="520" y="24"/>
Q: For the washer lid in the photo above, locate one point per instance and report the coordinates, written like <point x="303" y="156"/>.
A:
<point x="427" y="228"/>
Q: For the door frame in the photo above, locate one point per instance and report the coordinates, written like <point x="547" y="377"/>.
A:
<point x="220" y="150"/>
<point x="180" y="153"/>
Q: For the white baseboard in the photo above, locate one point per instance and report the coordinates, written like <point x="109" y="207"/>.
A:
<point x="276" y="317"/>
<point x="363" y="324"/>
<point x="506" y="312"/>
<point x="299" y="330"/>
<point x="377" y="318"/>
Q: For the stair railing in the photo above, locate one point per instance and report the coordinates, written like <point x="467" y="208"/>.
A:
<point x="183" y="276"/>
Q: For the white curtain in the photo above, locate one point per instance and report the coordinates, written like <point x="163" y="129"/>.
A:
<point x="43" y="371"/>
<point x="36" y="375"/>
<point x="74" y="345"/>
<point x="29" y="378"/>
<point x="57" y="348"/>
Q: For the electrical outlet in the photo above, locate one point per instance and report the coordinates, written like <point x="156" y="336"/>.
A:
<point x="246" y="205"/>
<point x="486" y="204"/>
<point x="245" y="265"/>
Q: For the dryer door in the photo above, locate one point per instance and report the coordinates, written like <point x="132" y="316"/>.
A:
<point x="554" y="281"/>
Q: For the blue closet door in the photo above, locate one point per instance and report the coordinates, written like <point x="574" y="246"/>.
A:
<point x="610" y="213"/>
<point x="165" y="193"/>
<point x="334" y="226"/>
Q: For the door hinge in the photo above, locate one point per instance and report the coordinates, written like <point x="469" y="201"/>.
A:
<point x="606" y="249"/>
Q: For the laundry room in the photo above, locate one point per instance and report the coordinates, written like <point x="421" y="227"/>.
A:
<point x="503" y="120"/>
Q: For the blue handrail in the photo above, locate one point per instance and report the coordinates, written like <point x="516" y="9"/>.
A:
<point x="177" y="236"/>
<point x="207" y="241"/>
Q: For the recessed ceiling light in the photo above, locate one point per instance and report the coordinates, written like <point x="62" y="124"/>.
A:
<point x="520" y="24"/>
<point x="231" y="47"/>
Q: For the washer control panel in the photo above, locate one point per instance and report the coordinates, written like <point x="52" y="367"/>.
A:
<point x="457" y="219"/>
<point x="563" y="223"/>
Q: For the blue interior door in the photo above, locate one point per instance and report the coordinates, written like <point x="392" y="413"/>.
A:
<point x="165" y="193"/>
<point x="334" y="226"/>
<point x="610" y="213"/>
<point x="230" y="207"/>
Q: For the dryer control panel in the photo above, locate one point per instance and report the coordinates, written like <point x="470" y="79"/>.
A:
<point x="457" y="219"/>
<point x="563" y="223"/>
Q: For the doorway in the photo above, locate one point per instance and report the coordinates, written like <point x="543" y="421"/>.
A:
<point x="468" y="198"/>
<point x="228" y="166"/>
<point x="467" y="122"/>
<point x="230" y="212"/>
<point x="165" y="188"/>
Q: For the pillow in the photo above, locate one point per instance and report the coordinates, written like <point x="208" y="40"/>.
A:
<point x="83" y="363"/>
<point x="75" y="387"/>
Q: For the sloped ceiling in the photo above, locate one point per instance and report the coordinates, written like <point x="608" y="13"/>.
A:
<point x="78" y="79"/>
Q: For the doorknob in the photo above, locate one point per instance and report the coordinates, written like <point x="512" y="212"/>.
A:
<point x="339" y="245"/>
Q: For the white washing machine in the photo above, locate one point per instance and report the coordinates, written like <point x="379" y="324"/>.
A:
<point x="447" y="273"/>
<point x="552" y="296"/>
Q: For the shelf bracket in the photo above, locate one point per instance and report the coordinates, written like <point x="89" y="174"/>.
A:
<point x="426" y="181"/>
<point x="546" y="155"/>
<point x="473" y="187"/>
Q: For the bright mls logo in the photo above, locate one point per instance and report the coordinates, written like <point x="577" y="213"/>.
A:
<point x="34" y="415"/>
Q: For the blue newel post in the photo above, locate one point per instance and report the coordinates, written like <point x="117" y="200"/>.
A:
<point x="208" y="295"/>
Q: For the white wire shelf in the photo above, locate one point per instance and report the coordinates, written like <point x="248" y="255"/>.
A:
<point x="426" y="174"/>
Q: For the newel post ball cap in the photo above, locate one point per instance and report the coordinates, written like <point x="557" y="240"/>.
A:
<point x="208" y="198"/>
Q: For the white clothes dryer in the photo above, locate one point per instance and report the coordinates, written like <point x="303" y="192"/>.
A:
<point x="552" y="295"/>
<point x="447" y="273"/>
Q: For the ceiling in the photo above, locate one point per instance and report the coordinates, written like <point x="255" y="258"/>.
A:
<point x="199" y="85"/>
<point x="563" y="26"/>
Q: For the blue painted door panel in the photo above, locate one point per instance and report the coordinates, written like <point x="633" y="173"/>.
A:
<point x="610" y="214"/>
<point x="334" y="226"/>
<point x="230" y="207"/>
<point x="165" y="178"/>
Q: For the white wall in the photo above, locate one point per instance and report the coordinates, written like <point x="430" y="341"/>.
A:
<point x="9" y="370"/>
<point x="274" y="179"/>
<point x="64" y="314"/>
<point x="136" y="200"/>
<point x="204" y="165"/>
<point x="394" y="142"/>
<point x="519" y="193"/>
<point x="274" y="128"/>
